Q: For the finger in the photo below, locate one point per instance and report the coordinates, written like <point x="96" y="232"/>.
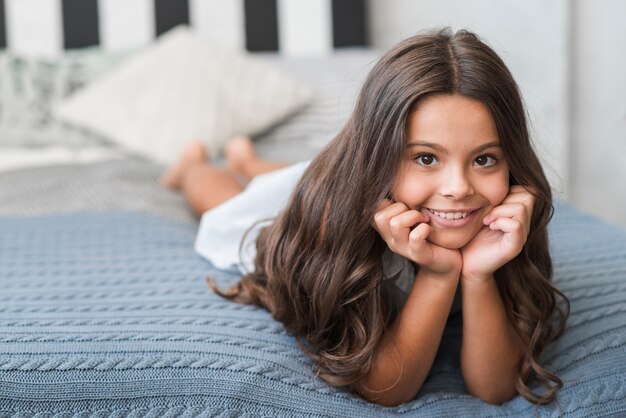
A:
<point x="419" y="247"/>
<point x="418" y="236"/>
<point x="519" y="188"/>
<point x="385" y="211"/>
<point x="383" y="205"/>
<point x="514" y="210"/>
<point x="401" y="225"/>
<point x="407" y="220"/>
<point x="524" y="195"/>
<point x="389" y="207"/>
<point x="512" y="228"/>
<point x="420" y="232"/>
<point x="382" y="220"/>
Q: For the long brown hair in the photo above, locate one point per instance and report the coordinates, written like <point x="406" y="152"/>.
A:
<point x="318" y="265"/>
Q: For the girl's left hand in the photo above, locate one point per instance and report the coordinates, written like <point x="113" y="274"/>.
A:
<point x="503" y="237"/>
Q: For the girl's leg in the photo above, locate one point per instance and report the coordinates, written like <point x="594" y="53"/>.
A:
<point x="241" y="157"/>
<point x="206" y="186"/>
<point x="203" y="185"/>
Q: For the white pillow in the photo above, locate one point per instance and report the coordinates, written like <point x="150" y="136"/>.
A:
<point x="184" y="88"/>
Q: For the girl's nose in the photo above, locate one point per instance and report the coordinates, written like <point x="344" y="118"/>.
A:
<point x="456" y="184"/>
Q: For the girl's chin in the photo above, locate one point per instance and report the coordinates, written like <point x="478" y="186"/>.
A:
<point x="449" y="240"/>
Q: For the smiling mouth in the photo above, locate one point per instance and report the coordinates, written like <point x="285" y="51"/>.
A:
<point x="450" y="214"/>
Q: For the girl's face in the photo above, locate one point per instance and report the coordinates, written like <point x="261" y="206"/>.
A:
<point x="453" y="168"/>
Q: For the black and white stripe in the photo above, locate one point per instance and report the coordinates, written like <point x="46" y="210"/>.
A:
<point x="80" y="23"/>
<point x="293" y="27"/>
<point x="261" y="25"/>
<point x="3" y="32"/>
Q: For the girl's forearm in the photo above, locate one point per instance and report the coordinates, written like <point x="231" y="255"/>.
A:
<point x="491" y="348"/>
<point x="405" y="355"/>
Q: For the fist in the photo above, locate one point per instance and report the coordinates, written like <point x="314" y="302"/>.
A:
<point x="502" y="238"/>
<point x="406" y="233"/>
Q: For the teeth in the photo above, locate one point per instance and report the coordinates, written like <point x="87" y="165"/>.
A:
<point x="450" y="215"/>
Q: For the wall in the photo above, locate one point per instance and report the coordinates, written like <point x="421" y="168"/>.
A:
<point x="599" y="108"/>
<point x="567" y="59"/>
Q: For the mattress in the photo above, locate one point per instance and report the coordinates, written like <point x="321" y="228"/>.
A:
<point x="108" y="314"/>
<point x="105" y="310"/>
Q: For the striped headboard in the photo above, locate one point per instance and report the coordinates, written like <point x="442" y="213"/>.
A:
<point x="47" y="27"/>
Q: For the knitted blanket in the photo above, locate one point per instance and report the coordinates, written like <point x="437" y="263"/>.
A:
<point x="108" y="314"/>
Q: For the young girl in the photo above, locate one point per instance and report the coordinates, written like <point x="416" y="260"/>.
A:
<point x="429" y="201"/>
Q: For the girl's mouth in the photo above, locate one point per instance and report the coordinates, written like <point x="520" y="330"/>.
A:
<point x="451" y="218"/>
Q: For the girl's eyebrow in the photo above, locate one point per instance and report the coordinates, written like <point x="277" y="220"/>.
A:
<point x="487" y="145"/>
<point x="439" y="148"/>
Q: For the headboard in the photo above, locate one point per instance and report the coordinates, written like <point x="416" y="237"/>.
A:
<point x="47" y="27"/>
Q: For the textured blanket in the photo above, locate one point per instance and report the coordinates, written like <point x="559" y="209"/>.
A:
<point x="125" y="184"/>
<point x="108" y="314"/>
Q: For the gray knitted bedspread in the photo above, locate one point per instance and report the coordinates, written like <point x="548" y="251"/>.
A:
<point x="106" y="313"/>
<point x="126" y="184"/>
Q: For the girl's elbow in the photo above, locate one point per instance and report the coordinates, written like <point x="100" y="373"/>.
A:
<point x="492" y="390"/>
<point x="388" y="398"/>
<point x="495" y="396"/>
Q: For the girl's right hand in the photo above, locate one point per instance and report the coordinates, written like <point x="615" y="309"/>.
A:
<point x="405" y="231"/>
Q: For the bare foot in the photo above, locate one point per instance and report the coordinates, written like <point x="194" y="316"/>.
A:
<point x="194" y="153"/>
<point x="240" y="152"/>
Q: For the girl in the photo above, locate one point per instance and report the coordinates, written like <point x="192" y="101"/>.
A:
<point x="430" y="200"/>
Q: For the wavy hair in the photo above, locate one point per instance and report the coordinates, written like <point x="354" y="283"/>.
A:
<point x="318" y="265"/>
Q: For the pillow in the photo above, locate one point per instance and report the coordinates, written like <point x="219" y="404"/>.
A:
<point x="30" y="87"/>
<point x="184" y="88"/>
<point x="336" y="79"/>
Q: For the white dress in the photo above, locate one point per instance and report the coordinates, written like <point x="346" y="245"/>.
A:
<point x="227" y="233"/>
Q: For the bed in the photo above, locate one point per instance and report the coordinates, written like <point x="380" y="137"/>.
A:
<point x="105" y="310"/>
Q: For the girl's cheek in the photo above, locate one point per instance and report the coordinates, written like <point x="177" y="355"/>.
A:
<point x="503" y="194"/>
<point x="501" y="188"/>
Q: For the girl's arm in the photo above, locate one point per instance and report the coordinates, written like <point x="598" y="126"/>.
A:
<point x="490" y="350"/>
<point x="405" y="355"/>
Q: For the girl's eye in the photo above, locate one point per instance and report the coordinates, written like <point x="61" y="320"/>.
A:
<point x="485" y="161"/>
<point x="426" y="160"/>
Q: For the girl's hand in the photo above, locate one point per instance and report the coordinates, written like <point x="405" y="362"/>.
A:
<point x="503" y="237"/>
<point x="405" y="231"/>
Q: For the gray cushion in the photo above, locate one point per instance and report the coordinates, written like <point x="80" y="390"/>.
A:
<point x="30" y="87"/>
